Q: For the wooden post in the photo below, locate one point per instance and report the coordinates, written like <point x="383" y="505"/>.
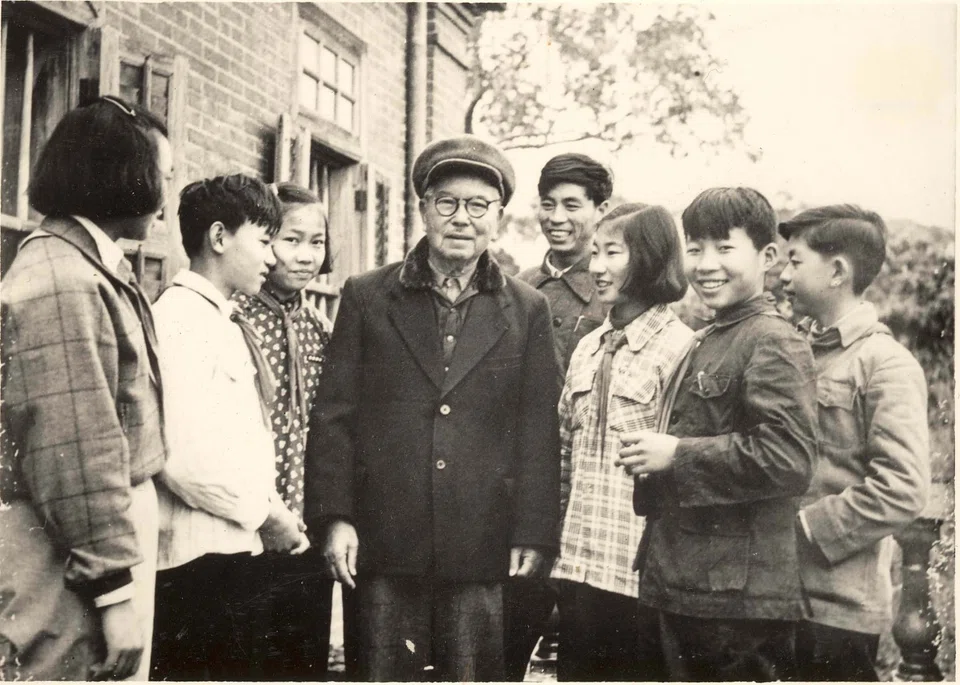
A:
<point x="916" y="628"/>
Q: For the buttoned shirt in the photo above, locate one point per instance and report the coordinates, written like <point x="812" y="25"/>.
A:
<point x="600" y="532"/>
<point x="219" y="477"/>
<point x="451" y="315"/>
<point x="575" y="308"/>
<point x="289" y="432"/>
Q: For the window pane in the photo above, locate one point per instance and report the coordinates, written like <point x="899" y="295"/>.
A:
<point x="308" y="52"/>
<point x="345" y="82"/>
<point x="328" y="66"/>
<point x="131" y="82"/>
<point x="328" y="102"/>
<point x="345" y="113"/>
<point x="308" y="92"/>
<point x="160" y="95"/>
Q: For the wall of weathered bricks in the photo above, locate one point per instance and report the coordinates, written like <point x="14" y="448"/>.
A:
<point x="242" y="71"/>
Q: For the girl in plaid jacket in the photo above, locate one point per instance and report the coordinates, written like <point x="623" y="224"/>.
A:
<point x="613" y="385"/>
<point x="82" y="407"/>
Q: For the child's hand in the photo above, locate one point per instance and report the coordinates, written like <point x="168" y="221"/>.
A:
<point x="281" y="532"/>
<point x="646" y="452"/>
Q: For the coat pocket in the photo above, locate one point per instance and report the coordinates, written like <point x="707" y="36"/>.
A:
<point x="836" y="404"/>
<point x="713" y="549"/>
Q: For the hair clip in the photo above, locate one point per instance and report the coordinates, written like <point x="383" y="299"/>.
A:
<point x="117" y="103"/>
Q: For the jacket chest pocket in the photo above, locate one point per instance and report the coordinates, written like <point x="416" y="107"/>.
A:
<point x="837" y="408"/>
<point x="714" y="402"/>
<point x="712" y="551"/>
<point x="580" y="385"/>
<point x="632" y="405"/>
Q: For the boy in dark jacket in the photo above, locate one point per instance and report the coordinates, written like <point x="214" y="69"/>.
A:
<point x="720" y="482"/>
<point x="873" y="475"/>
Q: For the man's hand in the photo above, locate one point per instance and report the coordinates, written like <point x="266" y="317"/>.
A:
<point x="124" y="641"/>
<point x="283" y="531"/>
<point x="646" y="452"/>
<point x="340" y="551"/>
<point x="525" y="561"/>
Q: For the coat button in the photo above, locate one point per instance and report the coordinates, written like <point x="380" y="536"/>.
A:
<point x="441" y="464"/>
<point x="557" y="321"/>
<point x="444" y="409"/>
<point x="674" y="417"/>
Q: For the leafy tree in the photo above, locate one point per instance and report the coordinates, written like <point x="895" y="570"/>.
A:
<point x="617" y="72"/>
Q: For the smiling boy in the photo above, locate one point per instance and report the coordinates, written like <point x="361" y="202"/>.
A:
<point x="721" y="485"/>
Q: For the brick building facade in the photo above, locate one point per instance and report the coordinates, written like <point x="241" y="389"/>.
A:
<point x="337" y="96"/>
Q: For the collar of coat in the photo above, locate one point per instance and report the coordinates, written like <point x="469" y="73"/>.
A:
<point x="417" y="275"/>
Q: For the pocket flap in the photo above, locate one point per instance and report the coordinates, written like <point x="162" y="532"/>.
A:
<point x="642" y="393"/>
<point x="707" y="385"/>
<point x="833" y="393"/>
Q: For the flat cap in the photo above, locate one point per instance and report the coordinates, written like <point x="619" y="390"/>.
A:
<point x="469" y="152"/>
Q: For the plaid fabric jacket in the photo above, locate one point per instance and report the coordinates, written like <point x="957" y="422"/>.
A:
<point x="81" y="402"/>
<point x="600" y="533"/>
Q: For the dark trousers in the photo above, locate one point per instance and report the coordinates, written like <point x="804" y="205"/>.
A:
<point x="826" y="653"/>
<point x="599" y="635"/>
<point x="710" y="649"/>
<point x="283" y="611"/>
<point x="527" y="605"/>
<point x="417" y="629"/>
<point x="194" y="636"/>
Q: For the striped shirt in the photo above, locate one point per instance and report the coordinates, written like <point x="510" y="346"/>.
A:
<point x="600" y="532"/>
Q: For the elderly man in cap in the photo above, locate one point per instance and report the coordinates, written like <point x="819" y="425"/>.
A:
<point x="433" y="468"/>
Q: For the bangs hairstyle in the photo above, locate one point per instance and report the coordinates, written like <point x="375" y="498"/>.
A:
<point x="232" y="200"/>
<point x="655" y="267"/>
<point x="717" y="211"/>
<point x="595" y="178"/>
<point x="100" y="163"/>
<point x="293" y="196"/>
<point x="857" y="234"/>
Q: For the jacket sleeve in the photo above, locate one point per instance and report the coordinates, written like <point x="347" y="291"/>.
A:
<point x="896" y="487"/>
<point x="773" y="456"/>
<point x="329" y="465"/>
<point x="537" y="511"/>
<point x="59" y="365"/>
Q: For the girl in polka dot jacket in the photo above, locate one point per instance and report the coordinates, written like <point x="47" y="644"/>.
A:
<point x="289" y="620"/>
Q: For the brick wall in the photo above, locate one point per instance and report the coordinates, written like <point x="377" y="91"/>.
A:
<point x="448" y="63"/>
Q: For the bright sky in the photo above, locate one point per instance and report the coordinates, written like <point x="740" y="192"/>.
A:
<point x="849" y="103"/>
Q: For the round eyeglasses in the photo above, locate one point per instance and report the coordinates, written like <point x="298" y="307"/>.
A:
<point x="476" y="206"/>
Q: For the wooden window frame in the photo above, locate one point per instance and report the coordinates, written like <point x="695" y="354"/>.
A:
<point x="341" y="54"/>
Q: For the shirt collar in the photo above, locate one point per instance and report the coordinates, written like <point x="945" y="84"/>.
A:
<point x="204" y="288"/>
<point x="852" y="326"/>
<point x="463" y="279"/>
<point x="639" y="331"/>
<point x="576" y="276"/>
<point x="759" y="304"/>
<point x="110" y="253"/>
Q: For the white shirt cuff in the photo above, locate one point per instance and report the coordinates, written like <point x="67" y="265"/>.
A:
<point x="121" y="594"/>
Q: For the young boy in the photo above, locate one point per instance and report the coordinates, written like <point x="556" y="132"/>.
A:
<point x="218" y="501"/>
<point x="720" y="484"/>
<point x="873" y="475"/>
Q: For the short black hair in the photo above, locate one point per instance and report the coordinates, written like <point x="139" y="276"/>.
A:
<point x="717" y="211"/>
<point x="101" y="163"/>
<point x="293" y="196"/>
<point x="857" y="234"/>
<point x="581" y="170"/>
<point x="232" y="200"/>
<point x="656" y="261"/>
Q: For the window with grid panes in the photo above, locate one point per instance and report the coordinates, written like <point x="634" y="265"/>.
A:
<point x="328" y="80"/>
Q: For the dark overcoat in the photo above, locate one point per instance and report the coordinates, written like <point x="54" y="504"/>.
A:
<point x="441" y="471"/>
